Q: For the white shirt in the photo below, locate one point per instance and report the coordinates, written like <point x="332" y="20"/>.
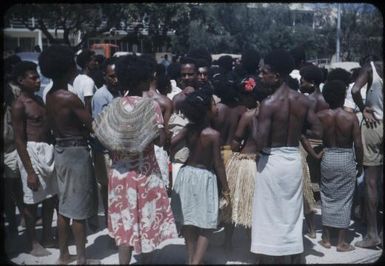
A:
<point x="374" y="97"/>
<point x="83" y="86"/>
<point x="174" y="90"/>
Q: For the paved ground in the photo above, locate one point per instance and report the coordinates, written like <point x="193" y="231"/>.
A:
<point x="174" y="252"/>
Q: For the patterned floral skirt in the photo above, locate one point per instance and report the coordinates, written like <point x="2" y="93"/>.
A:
<point x="139" y="212"/>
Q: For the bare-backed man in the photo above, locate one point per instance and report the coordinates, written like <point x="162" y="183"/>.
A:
<point x="278" y="199"/>
<point x="311" y="78"/>
<point x="71" y="124"/>
<point x="338" y="166"/>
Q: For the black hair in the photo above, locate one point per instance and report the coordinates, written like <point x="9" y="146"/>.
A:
<point x="200" y="62"/>
<point x="201" y="53"/>
<point x="131" y="70"/>
<point x="188" y="60"/>
<point x="56" y="60"/>
<point x="226" y="86"/>
<point x="108" y="62"/>
<point x="163" y="84"/>
<point x="22" y="67"/>
<point x="173" y="71"/>
<point x="160" y="69"/>
<point x="9" y="64"/>
<point x="250" y="61"/>
<point x="312" y="73"/>
<point x="299" y="55"/>
<point x="84" y="58"/>
<point x="325" y="73"/>
<point x="196" y="105"/>
<point x="334" y="93"/>
<point x="340" y="74"/>
<point x="225" y="62"/>
<point x="292" y="83"/>
<point x="280" y="62"/>
<point x="101" y="59"/>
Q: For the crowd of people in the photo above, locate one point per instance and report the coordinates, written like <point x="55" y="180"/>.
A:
<point x="183" y="148"/>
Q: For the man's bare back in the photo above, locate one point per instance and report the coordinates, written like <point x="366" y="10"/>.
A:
<point x="282" y="117"/>
<point x="339" y="127"/>
<point x="227" y="120"/>
<point x="166" y="105"/>
<point x="318" y="102"/>
<point x="66" y="113"/>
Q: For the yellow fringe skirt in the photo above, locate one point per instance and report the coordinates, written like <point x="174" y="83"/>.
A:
<point x="241" y="170"/>
<point x="308" y="196"/>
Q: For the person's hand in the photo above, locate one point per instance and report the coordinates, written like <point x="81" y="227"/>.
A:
<point x="370" y="120"/>
<point x="33" y="182"/>
<point x="226" y="196"/>
<point x="359" y="169"/>
<point x="320" y="154"/>
<point x="169" y="190"/>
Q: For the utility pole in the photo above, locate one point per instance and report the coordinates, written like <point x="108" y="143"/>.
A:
<point x="338" y="32"/>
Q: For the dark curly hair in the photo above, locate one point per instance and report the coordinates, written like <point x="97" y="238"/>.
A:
<point x="334" y="92"/>
<point x="22" y="67"/>
<point x="226" y="86"/>
<point x="250" y="61"/>
<point x="340" y="74"/>
<point x="84" y="57"/>
<point x="312" y="73"/>
<point x="196" y="105"/>
<point x="202" y="55"/>
<point x="280" y="62"/>
<point x="56" y="60"/>
<point x="131" y="70"/>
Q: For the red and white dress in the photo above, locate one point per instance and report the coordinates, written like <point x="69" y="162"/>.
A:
<point x="139" y="212"/>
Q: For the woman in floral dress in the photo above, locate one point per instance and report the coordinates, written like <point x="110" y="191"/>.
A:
<point x="139" y="213"/>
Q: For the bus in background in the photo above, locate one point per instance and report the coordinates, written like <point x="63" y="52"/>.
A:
<point x="105" y="49"/>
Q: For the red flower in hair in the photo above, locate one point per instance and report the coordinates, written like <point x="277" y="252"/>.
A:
<point x="249" y="84"/>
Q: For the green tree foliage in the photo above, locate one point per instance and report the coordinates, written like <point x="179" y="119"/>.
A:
<point x="221" y="27"/>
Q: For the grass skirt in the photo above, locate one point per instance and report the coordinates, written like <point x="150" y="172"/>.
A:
<point x="241" y="170"/>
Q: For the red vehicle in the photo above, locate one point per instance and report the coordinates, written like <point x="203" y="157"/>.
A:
<point x="106" y="49"/>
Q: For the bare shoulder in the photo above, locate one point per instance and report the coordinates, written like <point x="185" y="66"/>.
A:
<point x="349" y="115"/>
<point x="165" y="99"/>
<point x="64" y="96"/>
<point x="178" y="97"/>
<point x="211" y="132"/>
<point x="19" y="103"/>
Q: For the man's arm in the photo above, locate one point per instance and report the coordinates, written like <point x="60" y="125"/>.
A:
<point x="262" y="128"/>
<point x="357" y="144"/>
<point x="361" y="80"/>
<point x="166" y="117"/>
<point x="315" y="130"/>
<point x="175" y="140"/>
<point x="80" y="111"/>
<point x="87" y="103"/>
<point x="239" y="134"/>
<point x="19" y="126"/>
<point x="219" y="165"/>
<point x="309" y="149"/>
